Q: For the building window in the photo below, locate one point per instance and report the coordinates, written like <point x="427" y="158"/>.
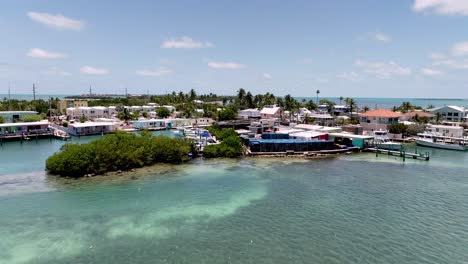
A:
<point x="450" y="114"/>
<point x="455" y="114"/>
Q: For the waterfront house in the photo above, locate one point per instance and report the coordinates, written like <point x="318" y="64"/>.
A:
<point x="271" y="112"/>
<point x="249" y="113"/>
<point x="449" y="113"/>
<point x="11" y="116"/>
<point x="24" y="127"/>
<point x="91" y="128"/>
<point x="378" y="119"/>
<point x="177" y="123"/>
<point x="150" y="124"/>
<point x="352" y="140"/>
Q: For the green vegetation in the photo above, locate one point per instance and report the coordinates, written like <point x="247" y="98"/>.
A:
<point x="31" y="118"/>
<point x="227" y="114"/>
<point x="39" y="105"/>
<point x="230" y="147"/>
<point x="163" y="112"/>
<point x="119" y="151"/>
<point x="124" y="115"/>
<point x="2" y="120"/>
<point x="406" y="107"/>
<point x="83" y="119"/>
<point x="397" y="128"/>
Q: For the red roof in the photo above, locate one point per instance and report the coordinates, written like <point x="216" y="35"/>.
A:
<point x="381" y="113"/>
<point x="418" y="113"/>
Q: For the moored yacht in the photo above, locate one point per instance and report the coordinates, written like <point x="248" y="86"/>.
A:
<point x="383" y="142"/>
<point x="435" y="141"/>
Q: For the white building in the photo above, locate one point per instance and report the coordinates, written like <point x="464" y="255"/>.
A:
<point x="249" y="113"/>
<point x="271" y="112"/>
<point x="449" y="113"/>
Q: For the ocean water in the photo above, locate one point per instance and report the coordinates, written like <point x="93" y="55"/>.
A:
<point x="349" y="209"/>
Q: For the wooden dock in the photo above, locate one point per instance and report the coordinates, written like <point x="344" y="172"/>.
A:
<point x="399" y="153"/>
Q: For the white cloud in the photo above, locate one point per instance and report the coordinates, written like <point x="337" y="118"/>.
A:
<point x="57" y="71"/>
<point x="266" y="76"/>
<point x="58" y="21"/>
<point x="460" y="49"/>
<point x="225" y="65"/>
<point x="383" y="70"/>
<point x="94" y="71"/>
<point x="350" y="76"/>
<point x="185" y="43"/>
<point x="430" y="72"/>
<point x="454" y="64"/>
<point x="42" y="54"/>
<point x="437" y="56"/>
<point x="444" y="7"/>
<point x="381" y="37"/>
<point x="154" y="72"/>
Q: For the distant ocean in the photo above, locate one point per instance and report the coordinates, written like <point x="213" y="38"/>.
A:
<point x="386" y="103"/>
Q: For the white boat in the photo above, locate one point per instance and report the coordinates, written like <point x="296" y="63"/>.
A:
<point x="383" y="142"/>
<point x="435" y="141"/>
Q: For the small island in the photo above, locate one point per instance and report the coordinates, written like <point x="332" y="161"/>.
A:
<point x="114" y="152"/>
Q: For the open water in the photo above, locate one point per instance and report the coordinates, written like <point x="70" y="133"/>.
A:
<point x="350" y="209"/>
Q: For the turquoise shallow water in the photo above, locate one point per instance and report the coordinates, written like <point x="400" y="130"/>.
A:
<point x="350" y="209"/>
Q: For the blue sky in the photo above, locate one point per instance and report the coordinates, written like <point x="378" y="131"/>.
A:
<point x="361" y="48"/>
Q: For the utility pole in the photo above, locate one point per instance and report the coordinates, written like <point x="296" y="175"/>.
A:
<point x="90" y="91"/>
<point x="126" y="92"/>
<point x="34" y="92"/>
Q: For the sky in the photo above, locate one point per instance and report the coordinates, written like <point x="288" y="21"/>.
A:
<point x="360" y="48"/>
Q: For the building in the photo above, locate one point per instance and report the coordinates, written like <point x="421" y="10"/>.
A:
<point x="91" y="128"/>
<point x="70" y="103"/>
<point x="24" y="127"/>
<point x="449" y="113"/>
<point x="11" y="116"/>
<point x="416" y="114"/>
<point x="378" y="119"/>
<point x="249" y="113"/>
<point x="352" y="140"/>
<point x="271" y="112"/>
<point x="150" y="124"/>
<point x="340" y="109"/>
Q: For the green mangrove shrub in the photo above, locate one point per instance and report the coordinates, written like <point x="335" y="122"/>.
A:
<point x="119" y="151"/>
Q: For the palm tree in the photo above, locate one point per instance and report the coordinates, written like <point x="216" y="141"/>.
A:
<point x="317" y="92"/>
<point x="365" y="108"/>
<point x="341" y="99"/>
<point x="193" y="95"/>
<point x="124" y="115"/>
<point x="249" y="101"/>
<point x="240" y="96"/>
<point x="351" y="104"/>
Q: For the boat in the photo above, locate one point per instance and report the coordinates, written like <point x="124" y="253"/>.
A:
<point x="437" y="141"/>
<point x="383" y="142"/>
